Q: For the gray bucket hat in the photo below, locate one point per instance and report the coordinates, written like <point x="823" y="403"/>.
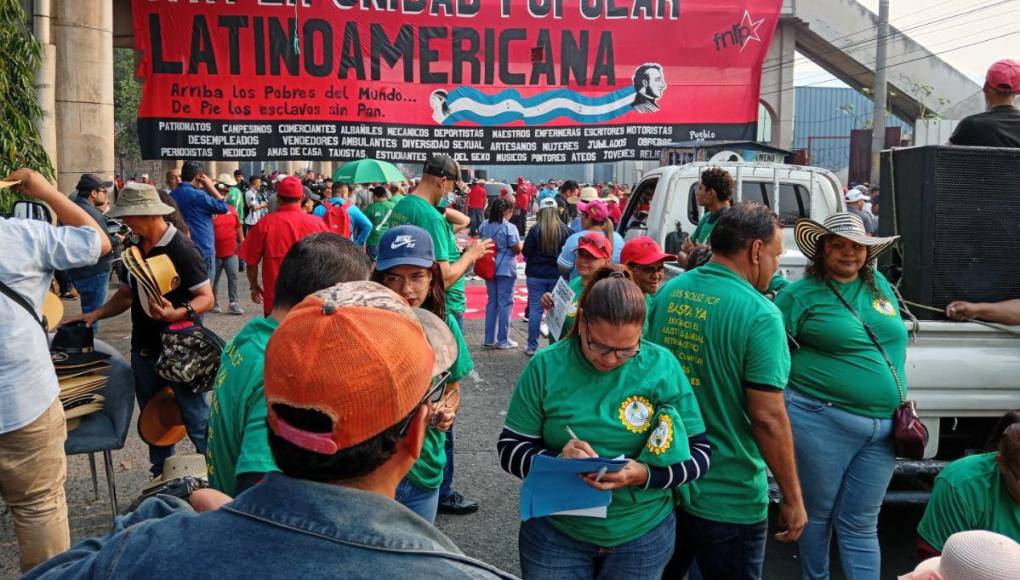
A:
<point x="139" y="199"/>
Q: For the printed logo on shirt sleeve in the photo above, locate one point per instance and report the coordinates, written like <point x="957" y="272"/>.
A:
<point x="661" y="438"/>
<point x="636" y="414"/>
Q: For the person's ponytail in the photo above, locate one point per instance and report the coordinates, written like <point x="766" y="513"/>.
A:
<point x="607" y="231"/>
<point x="612" y="297"/>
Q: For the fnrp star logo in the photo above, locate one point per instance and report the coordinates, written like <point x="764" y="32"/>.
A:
<point x="740" y="34"/>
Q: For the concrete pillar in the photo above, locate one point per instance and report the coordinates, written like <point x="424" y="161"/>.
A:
<point x="83" y="35"/>
<point x="777" y="83"/>
<point x="327" y="168"/>
<point x="44" y="79"/>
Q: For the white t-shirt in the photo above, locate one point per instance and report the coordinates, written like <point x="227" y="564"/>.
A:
<point x="32" y="251"/>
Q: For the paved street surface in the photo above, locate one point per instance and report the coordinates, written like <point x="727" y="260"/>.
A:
<point x="490" y="534"/>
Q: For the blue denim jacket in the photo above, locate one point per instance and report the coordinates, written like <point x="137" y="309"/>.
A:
<point x="280" y="528"/>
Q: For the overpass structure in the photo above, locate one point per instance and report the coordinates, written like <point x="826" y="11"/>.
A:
<point x="75" y="80"/>
<point x="840" y="37"/>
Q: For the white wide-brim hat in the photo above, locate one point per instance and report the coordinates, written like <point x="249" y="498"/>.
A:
<point x="808" y="233"/>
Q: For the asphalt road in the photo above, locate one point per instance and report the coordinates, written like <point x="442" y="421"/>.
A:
<point x="489" y="535"/>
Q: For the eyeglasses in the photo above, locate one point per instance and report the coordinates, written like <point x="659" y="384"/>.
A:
<point x="649" y="270"/>
<point x="602" y="350"/>
<point x="434" y="395"/>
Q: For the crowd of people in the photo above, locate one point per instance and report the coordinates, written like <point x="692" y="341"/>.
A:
<point x="328" y="434"/>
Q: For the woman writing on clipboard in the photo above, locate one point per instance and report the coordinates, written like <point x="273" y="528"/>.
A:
<point x="602" y="391"/>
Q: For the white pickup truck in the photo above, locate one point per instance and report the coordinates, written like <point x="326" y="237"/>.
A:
<point x="963" y="376"/>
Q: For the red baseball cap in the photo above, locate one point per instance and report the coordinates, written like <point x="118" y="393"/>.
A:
<point x="643" y="251"/>
<point x="1004" y="77"/>
<point x="595" y="244"/>
<point x="290" y="188"/>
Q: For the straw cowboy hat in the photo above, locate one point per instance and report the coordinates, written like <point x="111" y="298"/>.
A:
<point x="808" y="233"/>
<point x="139" y="199"/>
<point x="53" y="310"/>
<point x="226" y="179"/>
<point x="178" y="466"/>
<point x="972" y="555"/>
<point x="588" y="194"/>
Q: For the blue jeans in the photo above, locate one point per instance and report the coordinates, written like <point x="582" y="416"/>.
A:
<point x="194" y="407"/>
<point x="500" y="303"/>
<point x="210" y="266"/>
<point x="723" y="551"/>
<point x="846" y="461"/>
<point x="547" y="553"/>
<point x="477" y="216"/>
<point x="536" y="288"/>
<point x="446" y="488"/>
<point x="424" y="502"/>
<point x="92" y="292"/>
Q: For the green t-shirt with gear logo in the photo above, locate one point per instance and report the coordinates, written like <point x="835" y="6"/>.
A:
<point x="725" y="334"/>
<point x="618" y="413"/>
<point x="427" y="472"/>
<point x="415" y="211"/>
<point x="969" y="494"/>
<point x="837" y="362"/>
<point x="237" y="434"/>
<point x="378" y="213"/>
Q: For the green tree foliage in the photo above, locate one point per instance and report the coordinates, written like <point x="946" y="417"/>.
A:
<point x="127" y="96"/>
<point x="20" y="145"/>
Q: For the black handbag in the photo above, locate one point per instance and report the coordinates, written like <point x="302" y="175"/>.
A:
<point x="190" y="355"/>
<point x="910" y="436"/>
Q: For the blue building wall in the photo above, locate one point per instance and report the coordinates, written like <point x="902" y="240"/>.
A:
<point x="832" y="112"/>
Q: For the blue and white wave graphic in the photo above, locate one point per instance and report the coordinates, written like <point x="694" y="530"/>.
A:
<point x="471" y="105"/>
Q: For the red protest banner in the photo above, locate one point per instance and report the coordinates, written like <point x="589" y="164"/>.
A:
<point x="510" y="81"/>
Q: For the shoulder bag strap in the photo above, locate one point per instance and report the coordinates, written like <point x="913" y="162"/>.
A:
<point x="20" y="301"/>
<point x="874" y="339"/>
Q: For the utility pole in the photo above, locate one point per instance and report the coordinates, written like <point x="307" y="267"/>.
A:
<point x="880" y="91"/>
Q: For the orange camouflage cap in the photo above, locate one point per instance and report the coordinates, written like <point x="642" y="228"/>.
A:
<point x="357" y="353"/>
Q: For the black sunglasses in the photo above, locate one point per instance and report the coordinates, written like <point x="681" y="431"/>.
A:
<point x="433" y="396"/>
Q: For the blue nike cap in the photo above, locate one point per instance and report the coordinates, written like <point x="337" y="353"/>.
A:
<point x="405" y="246"/>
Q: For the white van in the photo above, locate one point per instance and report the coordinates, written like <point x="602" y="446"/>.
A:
<point x="663" y="206"/>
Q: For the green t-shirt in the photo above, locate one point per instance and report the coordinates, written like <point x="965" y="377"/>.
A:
<point x="777" y="284"/>
<point x="415" y="211"/>
<point x="725" y="334"/>
<point x="395" y="199"/>
<point x="427" y="472"/>
<point x="378" y="213"/>
<point x="236" y="199"/>
<point x="648" y="310"/>
<point x="969" y="495"/>
<point x="237" y="438"/>
<point x="703" y="231"/>
<point x="836" y="361"/>
<point x="614" y="413"/>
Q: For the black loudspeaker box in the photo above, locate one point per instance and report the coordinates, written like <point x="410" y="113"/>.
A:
<point x="957" y="210"/>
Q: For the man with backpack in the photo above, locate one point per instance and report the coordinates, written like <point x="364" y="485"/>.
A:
<point x="343" y="217"/>
<point x="268" y="241"/>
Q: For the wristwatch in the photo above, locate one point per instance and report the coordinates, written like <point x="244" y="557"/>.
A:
<point x="190" y="314"/>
